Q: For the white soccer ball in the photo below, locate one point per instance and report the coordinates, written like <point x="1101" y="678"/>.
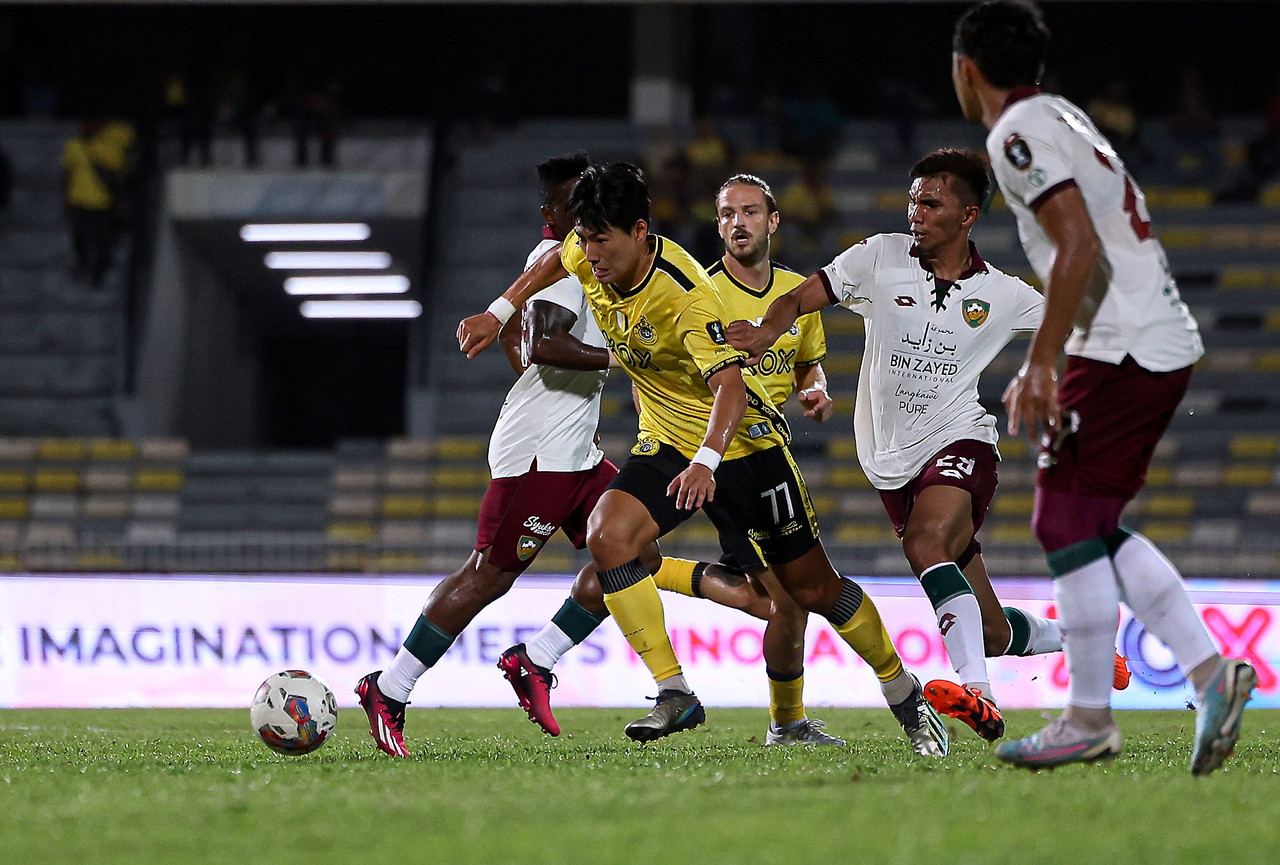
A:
<point x="294" y="712"/>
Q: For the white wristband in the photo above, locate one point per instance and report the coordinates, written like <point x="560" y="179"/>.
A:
<point x="706" y="457"/>
<point x="501" y="309"/>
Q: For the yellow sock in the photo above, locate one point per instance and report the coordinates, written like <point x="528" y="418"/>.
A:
<point x="786" y="700"/>
<point x="676" y="575"/>
<point x="638" y="611"/>
<point x="866" y="634"/>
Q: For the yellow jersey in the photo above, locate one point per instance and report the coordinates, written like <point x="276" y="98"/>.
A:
<point x="668" y="334"/>
<point x="805" y="344"/>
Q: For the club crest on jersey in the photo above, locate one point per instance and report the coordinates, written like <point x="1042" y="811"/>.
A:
<point x="645" y="447"/>
<point x="975" y="312"/>
<point x="715" y="330"/>
<point x="794" y="330"/>
<point x="645" y="332"/>
<point x="1017" y="152"/>
<point x="527" y="547"/>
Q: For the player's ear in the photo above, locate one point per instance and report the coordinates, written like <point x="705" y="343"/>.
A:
<point x="970" y="216"/>
<point x="774" y="219"/>
<point x="548" y="214"/>
<point x="640" y="230"/>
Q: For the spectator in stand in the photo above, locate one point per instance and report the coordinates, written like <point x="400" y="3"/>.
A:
<point x="316" y="113"/>
<point x="1194" y="128"/>
<point x="810" y="206"/>
<point x="1262" y="157"/>
<point x="1117" y="119"/>
<point x="89" y="195"/>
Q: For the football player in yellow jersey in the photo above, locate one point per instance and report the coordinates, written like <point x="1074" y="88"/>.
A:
<point x="707" y="439"/>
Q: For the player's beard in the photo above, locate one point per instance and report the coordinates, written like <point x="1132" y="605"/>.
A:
<point x="751" y="255"/>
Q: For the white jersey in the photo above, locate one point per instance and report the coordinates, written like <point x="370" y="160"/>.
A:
<point x="551" y="414"/>
<point x="1043" y="142"/>
<point x="927" y="344"/>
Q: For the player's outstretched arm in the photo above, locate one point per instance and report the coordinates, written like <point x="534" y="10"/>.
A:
<point x="477" y="332"/>
<point x="809" y="296"/>
<point x="1032" y="396"/>
<point x="548" y="340"/>
<point x="696" y="485"/>
<point x="811" y="390"/>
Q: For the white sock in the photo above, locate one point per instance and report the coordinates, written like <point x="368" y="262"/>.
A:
<point x="1045" y="637"/>
<point x="960" y="622"/>
<point x="898" y="688"/>
<point x="1088" y="605"/>
<point x="397" y="680"/>
<point x="1153" y="589"/>
<point x="549" y="646"/>
<point x="674" y="683"/>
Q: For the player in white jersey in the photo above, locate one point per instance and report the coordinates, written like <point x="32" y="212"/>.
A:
<point x="1085" y="228"/>
<point x="936" y="316"/>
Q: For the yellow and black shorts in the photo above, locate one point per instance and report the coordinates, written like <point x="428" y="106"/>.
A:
<point x="760" y="501"/>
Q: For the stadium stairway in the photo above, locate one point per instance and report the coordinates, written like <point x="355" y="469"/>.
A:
<point x="59" y="340"/>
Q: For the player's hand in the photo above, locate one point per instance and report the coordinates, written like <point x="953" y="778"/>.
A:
<point x="817" y="404"/>
<point x="749" y="337"/>
<point x="1032" y="399"/>
<point x="693" y="487"/>
<point x="477" y="332"/>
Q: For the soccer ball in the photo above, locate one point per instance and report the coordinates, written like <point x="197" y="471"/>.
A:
<point x="294" y="712"/>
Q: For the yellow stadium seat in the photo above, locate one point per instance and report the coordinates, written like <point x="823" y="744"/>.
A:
<point x="1248" y="475"/>
<point x="62" y="450"/>
<point x="402" y="507"/>
<point x="1170" y="505"/>
<point x="1010" y="533"/>
<point x="842" y="364"/>
<point x="452" y="507"/>
<point x="1184" y="238"/>
<point x="842" y="406"/>
<point x="461" y="479"/>
<point x="1241" y="277"/>
<point x="158" y="480"/>
<point x="398" y="563"/>
<point x="842" y="447"/>
<point x="1273" y="320"/>
<point x="10" y="562"/>
<point x="14" y="508"/>
<point x="842" y="323"/>
<point x="56" y="480"/>
<point x="99" y="560"/>
<point x="1015" y="505"/>
<point x="1254" y="446"/>
<point x="460" y="447"/>
<point x="1159" y="476"/>
<point x="1267" y="361"/>
<point x="13" y="480"/>
<point x="350" y="532"/>
<point x="112" y="450"/>
<point x="855" y="533"/>
<point x="345" y="560"/>
<point x="823" y="504"/>
<point x="847" y="477"/>
<point x="1167" y="531"/>
<point x="1013" y="447"/>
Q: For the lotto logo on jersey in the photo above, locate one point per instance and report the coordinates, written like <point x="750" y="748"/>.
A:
<point x="527" y="547"/>
<point x="976" y="312"/>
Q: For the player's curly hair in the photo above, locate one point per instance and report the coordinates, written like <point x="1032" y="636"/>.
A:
<point x="967" y="168"/>
<point x="771" y="203"/>
<point x="557" y="170"/>
<point x="614" y="196"/>
<point x="1007" y="40"/>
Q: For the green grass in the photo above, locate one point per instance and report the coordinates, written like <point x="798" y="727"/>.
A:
<point x="485" y="786"/>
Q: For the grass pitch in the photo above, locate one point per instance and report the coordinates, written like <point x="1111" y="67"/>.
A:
<point x="485" y="786"/>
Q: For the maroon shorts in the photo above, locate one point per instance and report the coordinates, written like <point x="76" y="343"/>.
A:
<point x="518" y="514"/>
<point x="967" y="464"/>
<point x="1116" y="416"/>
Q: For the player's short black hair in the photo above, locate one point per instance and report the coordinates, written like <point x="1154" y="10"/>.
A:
<point x="557" y="170"/>
<point x="610" y="196"/>
<point x="1007" y="39"/>
<point x="967" y="168"/>
<point x="752" y="180"/>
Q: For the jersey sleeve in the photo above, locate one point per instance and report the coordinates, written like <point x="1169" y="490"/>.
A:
<point x="566" y="293"/>
<point x="701" y="325"/>
<point x="1030" y="306"/>
<point x="849" y="276"/>
<point x="813" y="340"/>
<point x="1028" y="164"/>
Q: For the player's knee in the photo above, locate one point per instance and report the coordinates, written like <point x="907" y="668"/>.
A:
<point x="608" y="542"/>
<point x="813" y="597"/>
<point x="926" y="549"/>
